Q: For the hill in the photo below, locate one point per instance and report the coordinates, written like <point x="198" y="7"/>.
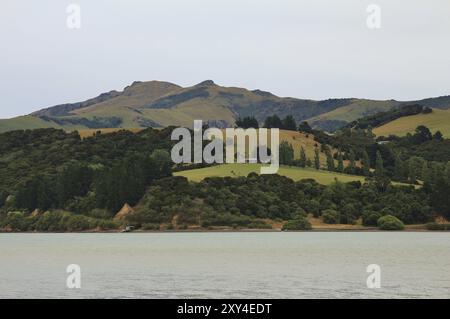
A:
<point x="294" y="173"/>
<point x="436" y="120"/>
<point x="160" y="104"/>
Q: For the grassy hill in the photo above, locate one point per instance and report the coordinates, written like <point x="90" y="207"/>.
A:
<point x="357" y="109"/>
<point x="160" y="104"/>
<point x="296" y="139"/>
<point x="295" y="173"/>
<point x="437" y="120"/>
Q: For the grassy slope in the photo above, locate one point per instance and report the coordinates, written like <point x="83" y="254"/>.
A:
<point x="24" y="122"/>
<point x="297" y="140"/>
<point x="295" y="173"/>
<point x="355" y="110"/>
<point x="437" y="120"/>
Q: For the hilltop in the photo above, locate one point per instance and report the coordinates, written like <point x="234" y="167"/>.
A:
<point x="438" y="120"/>
<point x="161" y="104"/>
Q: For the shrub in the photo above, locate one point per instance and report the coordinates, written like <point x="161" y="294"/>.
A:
<point x="390" y="222"/>
<point x="330" y="216"/>
<point x="436" y="226"/>
<point x="150" y="226"/>
<point x="370" y="218"/>
<point x="348" y="214"/>
<point x="259" y="224"/>
<point x="297" y="224"/>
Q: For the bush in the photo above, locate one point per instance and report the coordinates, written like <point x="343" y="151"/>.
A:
<point x="297" y="224"/>
<point x="330" y="216"/>
<point x="370" y="218"/>
<point x="259" y="224"/>
<point x="390" y="222"/>
<point x="150" y="226"/>
<point x="436" y="226"/>
<point x="348" y="214"/>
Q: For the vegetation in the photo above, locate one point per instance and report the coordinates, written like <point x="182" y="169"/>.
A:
<point x="438" y="120"/>
<point x="389" y="222"/>
<point x="58" y="181"/>
<point x="242" y="170"/>
<point x="381" y="118"/>
<point x="300" y="223"/>
<point x="243" y="201"/>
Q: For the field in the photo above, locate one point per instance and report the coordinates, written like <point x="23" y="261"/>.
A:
<point x="356" y="110"/>
<point x="299" y="140"/>
<point x="295" y="173"/>
<point x="437" y="120"/>
<point x="25" y="122"/>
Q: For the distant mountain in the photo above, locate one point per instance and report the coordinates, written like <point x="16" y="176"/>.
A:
<point x="159" y="104"/>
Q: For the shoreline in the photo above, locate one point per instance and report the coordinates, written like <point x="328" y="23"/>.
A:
<point x="330" y="230"/>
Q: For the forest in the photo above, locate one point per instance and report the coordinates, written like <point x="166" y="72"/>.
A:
<point x="52" y="180"/>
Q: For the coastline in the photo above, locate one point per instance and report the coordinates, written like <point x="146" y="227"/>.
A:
<point x="243" y="230"/>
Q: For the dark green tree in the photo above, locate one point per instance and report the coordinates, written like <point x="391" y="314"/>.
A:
<point x="316" y="158"/>
<point x="366" y="163"/>
<point x="289" y="123"/>
<point x="286" y="153"/>
<point x="340" y="167"/>
<point x="379" y="167"/>
<point x="303" y="159"/>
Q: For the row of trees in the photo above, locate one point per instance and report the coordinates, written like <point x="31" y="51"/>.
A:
<point x="274" y="121"/>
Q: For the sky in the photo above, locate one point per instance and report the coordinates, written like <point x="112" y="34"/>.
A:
<point x="314" y="49"/>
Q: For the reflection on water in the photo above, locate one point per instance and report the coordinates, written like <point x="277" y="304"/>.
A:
<point x="226" y="265"/>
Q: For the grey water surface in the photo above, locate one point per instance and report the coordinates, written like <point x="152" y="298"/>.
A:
<point x="226" y="265"/>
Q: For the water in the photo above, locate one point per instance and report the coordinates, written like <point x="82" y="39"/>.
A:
<point x="226" y="265"/>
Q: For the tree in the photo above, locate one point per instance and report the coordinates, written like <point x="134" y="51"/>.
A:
<point x="273" y="122"/>
<point x="330" y="160"/>
<point x="160" y="163"/>
<point x="316" y="158"/>
<point x="286" y="153"/>
<point x="426" y="178"/>
<point x="399" y="170"/>
<point x="422" y="134"/>
<point x="438" y="136"/>
<point x="330" y="216"/>
<point x="415" y="168"/>
<point x="351" y="169"/>
<point x="340" y="167"/>
<point x="379" y="169"/>
<point x="247" y="122"/>
<point x="305" y="127"/>
<point x="289" y="123"/>
<point x="302" y="157"/>
<point x="366" y="163"/>
<point x="74" y="180"/>
<point x="439" y="197"/>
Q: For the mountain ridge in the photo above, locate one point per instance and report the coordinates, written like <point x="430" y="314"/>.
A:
<point x="161" y="103"/>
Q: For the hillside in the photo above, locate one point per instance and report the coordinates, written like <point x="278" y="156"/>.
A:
<point x="294" y="173"/>
<point x="437" y="120"/>
<point x="160" y="104"/>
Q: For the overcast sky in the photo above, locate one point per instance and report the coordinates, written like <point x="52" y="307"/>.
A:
<point x="307" y="49"/>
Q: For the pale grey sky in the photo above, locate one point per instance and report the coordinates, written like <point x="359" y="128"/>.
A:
<point x="303" y="48"/>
